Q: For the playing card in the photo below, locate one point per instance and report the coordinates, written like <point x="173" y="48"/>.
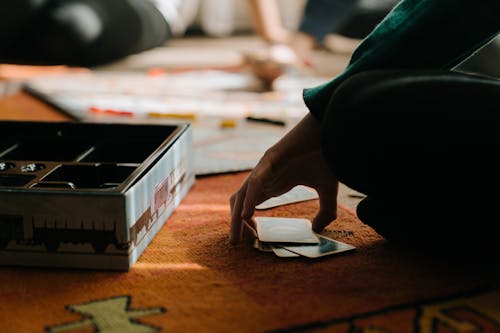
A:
<point x="285" y="230"/>
<point x="264" y="247"/>
<point x="297" y="194"/>
<point x="281" y="252"/>
<point x="325" y="247"/>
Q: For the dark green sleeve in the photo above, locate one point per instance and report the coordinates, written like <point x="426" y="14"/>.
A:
<point x="430" y="34"/>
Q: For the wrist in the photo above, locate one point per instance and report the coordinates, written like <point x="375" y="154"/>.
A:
<point x="304" y="138"/>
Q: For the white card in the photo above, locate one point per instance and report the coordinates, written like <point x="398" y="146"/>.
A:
<point x="285" y="230"/>
<point x="325" y="247"/>
<point x="297" y="194"/>
<point x="281" y="252"/>
<point x="264" y="247"/>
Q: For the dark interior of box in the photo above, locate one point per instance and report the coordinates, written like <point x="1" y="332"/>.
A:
<point x="77" y="156"/>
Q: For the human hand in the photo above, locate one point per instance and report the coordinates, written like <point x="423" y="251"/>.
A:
<point x="297" y="159"/>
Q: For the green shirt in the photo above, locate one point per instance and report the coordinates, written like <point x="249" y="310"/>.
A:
<point x="427" y="34"/>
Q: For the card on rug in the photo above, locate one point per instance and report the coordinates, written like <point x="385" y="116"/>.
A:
<point x="325" y="247"/>
<point x="261" y="246"/>
<point x="297" y="194"/>
<point x="285" y="230"/>
<point x="281" y="252"/>
<point x="278" y="251"/>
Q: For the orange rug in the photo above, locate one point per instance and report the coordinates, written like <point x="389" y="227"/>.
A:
<point x="190" y="279"/>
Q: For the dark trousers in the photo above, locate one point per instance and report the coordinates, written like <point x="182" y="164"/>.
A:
<point x="423" y="147"/>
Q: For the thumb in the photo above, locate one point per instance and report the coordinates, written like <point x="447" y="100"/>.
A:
<point x="327" y="212"/>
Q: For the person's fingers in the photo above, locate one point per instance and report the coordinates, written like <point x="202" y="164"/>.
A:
<point x="327" y="211"/>
<point x="261" y="185"/>
<point x="253" y="197"/>
<point x="249" y="230"/>
<point x="236" y="202"/>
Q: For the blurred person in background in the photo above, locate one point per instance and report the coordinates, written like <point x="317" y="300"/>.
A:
<point x="334" y="25"/>
<point x="86" y="32"/>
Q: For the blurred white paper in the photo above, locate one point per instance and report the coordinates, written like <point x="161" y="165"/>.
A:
<point x="297" y="194"/>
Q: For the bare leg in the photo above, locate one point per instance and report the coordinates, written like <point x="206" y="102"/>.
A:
<point x="267" y="20"/>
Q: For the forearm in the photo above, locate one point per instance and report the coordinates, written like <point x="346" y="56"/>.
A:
<point x="304" y="138"/>
<point x="267" y="20"/>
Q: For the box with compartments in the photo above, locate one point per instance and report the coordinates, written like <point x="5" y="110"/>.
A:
<point x="88" y="195"/>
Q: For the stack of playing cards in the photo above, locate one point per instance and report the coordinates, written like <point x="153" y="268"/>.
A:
<point x="293" y="237"/>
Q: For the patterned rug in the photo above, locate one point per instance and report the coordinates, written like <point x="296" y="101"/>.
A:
<point x="190" y="279"/>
